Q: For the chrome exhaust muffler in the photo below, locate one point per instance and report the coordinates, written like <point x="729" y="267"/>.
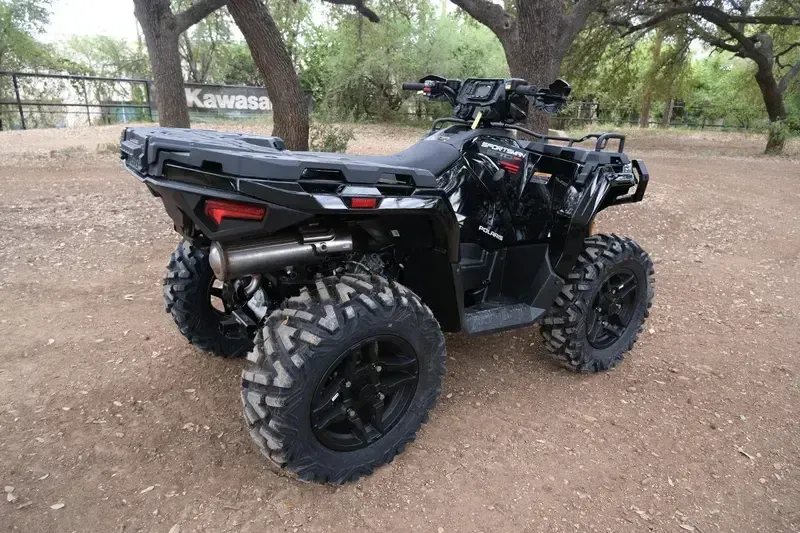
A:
<point x="233" y="261"/>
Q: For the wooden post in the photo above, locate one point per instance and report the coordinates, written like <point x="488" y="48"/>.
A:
<point x="19" y="101"/>
<point x="149" y="103"/>
<point x="86" y="100"/>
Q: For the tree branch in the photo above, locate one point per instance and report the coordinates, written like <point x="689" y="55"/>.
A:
<point x="723" y="21"/>
<point x="491" y="15"/>
<point x="714" y="15"/>
<point x="653" y="21"/>
<point x="765" y="19"/>
<point x="784" y="83"/>
<point x="704" y="35"/>
<point x="188" y="55"/>
<point x="789" y="49"/>
<point x="197" y="12"/>
<point x="360" y="7"/>
<point x="575" y="20"/>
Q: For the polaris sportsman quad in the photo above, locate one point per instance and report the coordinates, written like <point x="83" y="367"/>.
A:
<point x="337" y="274"/>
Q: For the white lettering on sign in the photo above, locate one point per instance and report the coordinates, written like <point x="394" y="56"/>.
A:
<point x="225" y="98"/>
<point x="192" y="97"/>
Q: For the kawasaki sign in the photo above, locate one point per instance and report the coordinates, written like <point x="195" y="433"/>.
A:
<point x="227" y="98"/>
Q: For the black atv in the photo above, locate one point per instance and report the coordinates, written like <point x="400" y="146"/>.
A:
<point x="336" y="274"/>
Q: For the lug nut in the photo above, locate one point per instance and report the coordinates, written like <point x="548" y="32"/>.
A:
<point x="381" y="396"/>
<point x="351" y="413"/>
<point x="378" y="368"/>
<point x="347" y="384"/>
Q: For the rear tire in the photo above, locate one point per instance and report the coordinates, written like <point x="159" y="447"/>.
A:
<point x="187" y="297"/>
<point x="305" y="411"/>
<point x="573" y="328"/>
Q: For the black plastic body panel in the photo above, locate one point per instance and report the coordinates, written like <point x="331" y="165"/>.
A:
<point x="147" y="150"/>
<point x="487" y="226"/>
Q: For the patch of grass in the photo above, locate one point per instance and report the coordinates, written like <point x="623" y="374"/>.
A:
<point x="329" y="137"/>
<point x="69" y="151"/>
<point x="111" y="147"/>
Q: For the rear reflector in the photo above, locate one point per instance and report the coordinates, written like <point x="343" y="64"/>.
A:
<point x="217" y="210"/>
<point x="363" y="203"/>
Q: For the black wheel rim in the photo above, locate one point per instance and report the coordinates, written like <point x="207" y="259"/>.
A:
<point x="365" y="393"/>
<point x="217" y="297"/>
<point x="613" y="308"/>
<point x="221" y="294"/>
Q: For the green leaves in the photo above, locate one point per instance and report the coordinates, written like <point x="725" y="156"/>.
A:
<point x="20" y="21"/>
<point x="355" y="68"/>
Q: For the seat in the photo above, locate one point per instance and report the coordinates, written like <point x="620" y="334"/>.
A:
<point x="433" y="156"/>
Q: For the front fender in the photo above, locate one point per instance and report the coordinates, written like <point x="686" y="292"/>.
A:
<point x="602" y="190"/>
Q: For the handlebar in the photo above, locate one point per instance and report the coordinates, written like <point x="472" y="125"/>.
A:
<point x="412" y="86"/>
<point x="526" y="90"/>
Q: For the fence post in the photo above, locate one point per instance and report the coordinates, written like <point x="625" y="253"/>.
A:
<point x="86" y="100"/>
<point x="149" y="103"/>
<point x="19" y="101"/>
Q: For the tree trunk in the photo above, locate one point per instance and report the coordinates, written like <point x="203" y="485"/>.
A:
<point x="289" y="109"/>
<point x="650" y="80"/>
<point x="533" y="53"/>
<point x="161" y="36"/>
<point x="776" y="109"/>
<point x="667" y="118"/>
<point x="535" y="39"/>
<point x="539" y="68"/>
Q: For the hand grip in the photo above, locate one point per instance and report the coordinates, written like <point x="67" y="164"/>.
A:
<point x="412" y="86"/>
<point x="526" y="90"/>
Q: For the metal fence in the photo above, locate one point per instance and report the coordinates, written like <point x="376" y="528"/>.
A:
<point x="34" y="99"/>
<point x="30" y="100"/>
<point x="673" y="114"/>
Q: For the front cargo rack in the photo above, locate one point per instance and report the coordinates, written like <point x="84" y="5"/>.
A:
<point x="600" y="144"/>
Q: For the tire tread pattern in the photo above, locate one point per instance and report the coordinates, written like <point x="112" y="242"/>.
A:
<point x="306" y="331"/>
<point x="560" y="326"/>
<point x="185" y="289"/>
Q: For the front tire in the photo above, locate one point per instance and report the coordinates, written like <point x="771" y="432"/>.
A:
<point x="601" y="310"/>
<point x="342" y="377"/>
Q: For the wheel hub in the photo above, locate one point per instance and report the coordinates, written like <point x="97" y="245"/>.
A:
<point x="365" y="393"/>
<point x="613" y="308"/>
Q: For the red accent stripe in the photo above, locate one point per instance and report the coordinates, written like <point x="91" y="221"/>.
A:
<point x="511" y="167"/>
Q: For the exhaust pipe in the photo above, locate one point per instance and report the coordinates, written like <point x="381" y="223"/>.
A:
<point x="232" y="261"/>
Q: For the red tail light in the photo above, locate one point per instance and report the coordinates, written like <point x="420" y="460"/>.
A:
<point x="217" y="210"/>
<point x="363" y="203"/>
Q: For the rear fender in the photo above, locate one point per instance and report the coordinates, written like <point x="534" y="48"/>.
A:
<point x="185" y="205"/>
<point x="426" y="240"/>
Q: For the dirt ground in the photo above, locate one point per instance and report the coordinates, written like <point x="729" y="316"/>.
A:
<point x="111" y="423"/>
